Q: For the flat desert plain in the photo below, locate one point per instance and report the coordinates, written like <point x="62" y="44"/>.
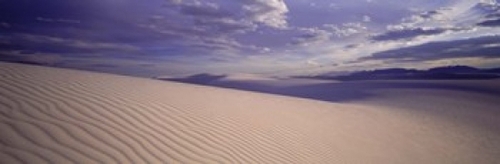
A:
<point x="52" y="115"/>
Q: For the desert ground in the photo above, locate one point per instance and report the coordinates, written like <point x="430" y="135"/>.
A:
<point x="54" y="115"/>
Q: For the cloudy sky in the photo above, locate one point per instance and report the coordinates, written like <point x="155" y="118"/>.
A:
<point x="171" y="37"/>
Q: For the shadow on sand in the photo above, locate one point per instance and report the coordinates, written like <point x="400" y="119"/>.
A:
<point x="347" y="91"/>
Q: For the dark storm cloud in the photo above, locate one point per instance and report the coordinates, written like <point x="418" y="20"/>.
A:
<point x="492" y="19"/>
<point x="206" y="16"/>
<point x="490" y="13"/>
<point x="26" y="11"/>
<point x="47" y="44"/>
<point x="209" y="26"/>
<point x="429" y="14"/>
<point x="66" y="27"/>
<point x="206" y="31"/>
<point x="481" y="47"/>
<point x="407" y="34"/>
<point x="87" y="21"/>
<point x="490" y="23"/>
<point x="189" y="26"/>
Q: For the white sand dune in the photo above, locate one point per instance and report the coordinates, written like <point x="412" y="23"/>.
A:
<point x="51" y="115"/>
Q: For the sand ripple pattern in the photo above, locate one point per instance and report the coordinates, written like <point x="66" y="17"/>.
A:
<point x="50" y="115"/>
<point x="57" y="116"/>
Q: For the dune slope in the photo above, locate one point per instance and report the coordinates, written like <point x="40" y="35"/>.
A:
<point x="50" y="115"/>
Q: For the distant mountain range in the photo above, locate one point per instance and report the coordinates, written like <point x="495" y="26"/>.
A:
<point x="438" y="73"/>
<point x="203" y="78"/>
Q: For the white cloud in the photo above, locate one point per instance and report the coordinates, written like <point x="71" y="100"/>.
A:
<point x="310" y="36"/>
<point x="174" y="1"/>
<point x="212" y="25"/>
<point x="333" y="5"/>
<point x="367" y="18"/>
<point x="268" y="12"/>
<point x="346" y="29"/>
<point x="492" y="2"/>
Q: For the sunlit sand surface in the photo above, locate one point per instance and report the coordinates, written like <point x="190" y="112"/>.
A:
<point x="50" y="115"/>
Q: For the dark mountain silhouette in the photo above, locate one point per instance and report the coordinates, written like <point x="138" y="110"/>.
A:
<point x="367" y="86"/>
<point x="438" y="73"/>
<point x="203" y="78"/>
<point x="454" y="69"/>
<point x="493" y="70"/>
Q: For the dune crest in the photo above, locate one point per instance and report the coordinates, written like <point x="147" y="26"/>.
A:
<point x="50" y="115"/>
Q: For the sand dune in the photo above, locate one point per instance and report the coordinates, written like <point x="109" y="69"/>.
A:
<point x="51" y="115"/>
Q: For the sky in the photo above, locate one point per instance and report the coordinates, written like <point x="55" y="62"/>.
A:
<point x="276" y="37"/>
